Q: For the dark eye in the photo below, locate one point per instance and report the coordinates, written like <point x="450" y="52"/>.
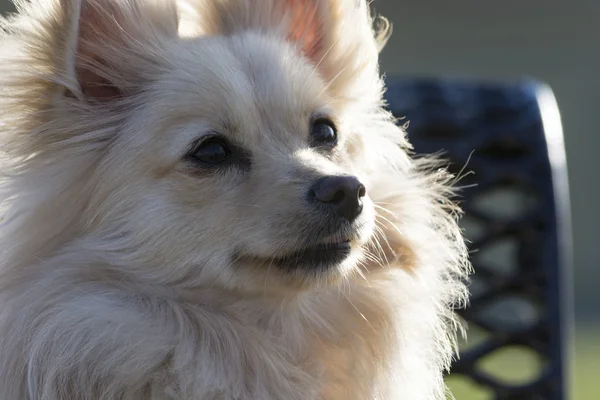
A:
<point x="323" y="132"/>
<point x="211" y="151"/>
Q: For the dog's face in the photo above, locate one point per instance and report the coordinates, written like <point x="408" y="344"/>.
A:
<point x="236" y="136"/>
<point x="243" y="163"/>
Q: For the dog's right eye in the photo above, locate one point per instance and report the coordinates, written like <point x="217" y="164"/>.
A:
<point x="323" y="133"/>
<point x="211" y="152"/>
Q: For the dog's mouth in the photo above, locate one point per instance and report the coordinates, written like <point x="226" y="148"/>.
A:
<point x="328" y="248"/>
<point x="329" y="252"/>
<point x="321" y="254"/>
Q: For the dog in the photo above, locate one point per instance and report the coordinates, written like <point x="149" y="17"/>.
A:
<point x="207" y="200"/>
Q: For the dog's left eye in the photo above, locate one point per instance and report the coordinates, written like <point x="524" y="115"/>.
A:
<point x="211" y="151"/>
<point x="323" y="132"/>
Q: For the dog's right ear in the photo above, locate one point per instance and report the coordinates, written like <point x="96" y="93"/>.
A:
<point x="63" y="61"/>
<point x="107" y="49"/>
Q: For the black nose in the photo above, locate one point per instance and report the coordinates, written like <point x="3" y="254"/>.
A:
<point x="344" y="193"/>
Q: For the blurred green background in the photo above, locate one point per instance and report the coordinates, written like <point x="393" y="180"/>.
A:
<point x="555" y="41"/>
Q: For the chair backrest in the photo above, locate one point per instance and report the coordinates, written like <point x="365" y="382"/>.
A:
<point x="506" y="139"/>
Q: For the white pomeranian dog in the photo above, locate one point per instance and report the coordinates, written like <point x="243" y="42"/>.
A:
<point x="206" y="200"/>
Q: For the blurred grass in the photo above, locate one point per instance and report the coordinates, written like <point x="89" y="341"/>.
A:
<point x="585" y="377"/>
<point x="516" y="365"/>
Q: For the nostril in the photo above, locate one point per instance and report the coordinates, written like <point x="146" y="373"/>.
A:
<point x="362" y="191"/>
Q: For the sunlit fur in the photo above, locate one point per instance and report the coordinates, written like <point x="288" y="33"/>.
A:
<point x="121" y="275"/>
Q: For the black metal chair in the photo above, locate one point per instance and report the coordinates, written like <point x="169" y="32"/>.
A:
<point x="517" y="223"/>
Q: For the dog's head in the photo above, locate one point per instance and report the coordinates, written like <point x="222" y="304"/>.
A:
<point x="220" y="141"/>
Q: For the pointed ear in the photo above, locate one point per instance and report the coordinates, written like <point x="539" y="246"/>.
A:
<point x="337" y="36"/>
<point x="306" y="25"/>
<point x="302" y="22"/>
<point x="112" y="45"/>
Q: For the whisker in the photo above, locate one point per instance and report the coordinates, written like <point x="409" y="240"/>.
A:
<point x="460" y="175"/>
<point x="321" y="60"/>
<point x="332" y="80"/>
<point x="391" y="223"/>
<point x="393" y="214"/>
<point x="359" y="312"/>
<point x="379" y="231"/>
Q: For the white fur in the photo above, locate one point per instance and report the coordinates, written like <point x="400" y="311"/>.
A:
<point x="117" y="279"/>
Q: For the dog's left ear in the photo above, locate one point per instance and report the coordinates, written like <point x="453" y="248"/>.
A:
<point x="340" y="39"/>
<point x="305" y="25"/>
<point x="337" y="36"/>
<point x="317" y="26"/>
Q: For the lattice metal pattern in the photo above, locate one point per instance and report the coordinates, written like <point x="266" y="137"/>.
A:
<point x="515" y="345"/>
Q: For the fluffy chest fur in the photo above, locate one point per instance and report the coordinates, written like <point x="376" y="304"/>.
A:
<point x="330" y="344"/>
